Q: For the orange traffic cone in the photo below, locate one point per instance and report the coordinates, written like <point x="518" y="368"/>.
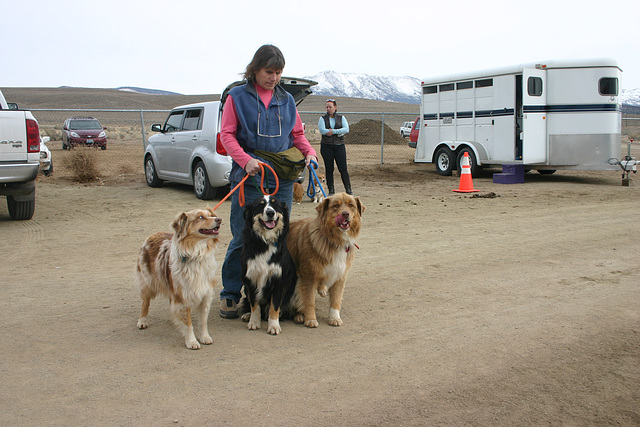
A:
<point x="466" y="184"/>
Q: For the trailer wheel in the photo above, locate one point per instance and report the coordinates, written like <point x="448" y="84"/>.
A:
<point x="475" y="169"/>
<point x="444" y="161"/>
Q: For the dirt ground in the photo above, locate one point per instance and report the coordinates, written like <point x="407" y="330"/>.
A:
<point x="520" y="307"/>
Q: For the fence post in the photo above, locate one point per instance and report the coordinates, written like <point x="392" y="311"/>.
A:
<point x="382" y="142"/>
<point x="144" y="137"/>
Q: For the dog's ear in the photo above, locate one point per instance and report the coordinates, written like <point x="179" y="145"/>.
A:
<point x="247" y="213"/>
<point x="323" y="206"/>
<point x="179" y="224"/>
<point x="361" y="207"/>
<point x="208" y="209"/>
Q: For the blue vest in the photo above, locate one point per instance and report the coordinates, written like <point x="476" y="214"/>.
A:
<point x="273" y="133"/>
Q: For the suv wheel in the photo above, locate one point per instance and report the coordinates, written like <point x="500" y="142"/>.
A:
<point x="150" y="173"/>
<point x="20" y="210"/>
<point x="201" y="185"/>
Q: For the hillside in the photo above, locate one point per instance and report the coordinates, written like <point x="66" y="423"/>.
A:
<point x="113" y="99"/>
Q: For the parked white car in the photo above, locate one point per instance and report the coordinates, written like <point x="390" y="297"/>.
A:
<point x="46" y="164"/>
<point x="187" y="147"/>
<point x="405" y="129"/>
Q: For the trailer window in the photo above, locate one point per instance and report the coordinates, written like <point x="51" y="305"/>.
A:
<point x="429" y="89"/>
<point x="464" y="85"/>
<point x="608" y="86"/>
<point x="447" y="87"/>
<point x="484" y="83"/>
<point x="534" y="86"/>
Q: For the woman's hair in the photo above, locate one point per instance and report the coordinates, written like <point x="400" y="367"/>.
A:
<point x="333" y="101"/>
<point x="267" y="56"/>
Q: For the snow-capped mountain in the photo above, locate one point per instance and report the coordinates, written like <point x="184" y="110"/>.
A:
<point x="356" y="85"/>
<point x="631" y="97"/>
<point x="147" y="91"/>
<point x="397" y="89"/>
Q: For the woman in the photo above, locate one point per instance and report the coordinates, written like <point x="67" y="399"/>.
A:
<point x="260" y="115"/>
<point x="333" y="128"/>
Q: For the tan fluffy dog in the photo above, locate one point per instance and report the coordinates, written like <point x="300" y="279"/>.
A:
<point x="323" y="250"/>
<point x="182" y="267"/>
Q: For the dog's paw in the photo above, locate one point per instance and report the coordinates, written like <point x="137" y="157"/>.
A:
<point x="323" y="291"/>
<point x="274" y="327"/>
<point x="334" y="317"/>
<point x="298" y="318"/>
<point x="312" y="323"/>
<point x="335" y="321"/>
<point x="192" y="345"/>
<point x="206" y="339"/>
<point x="245" y="317"/>
<point x="142" y="323"/>
<point x="252" y="325"/>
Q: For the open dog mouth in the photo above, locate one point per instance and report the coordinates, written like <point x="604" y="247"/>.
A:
<point x="270" y="224"/>
<point x="210" y="231"/>
<point x="343" y="222"/>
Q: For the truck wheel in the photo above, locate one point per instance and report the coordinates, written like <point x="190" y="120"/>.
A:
<point x="201" y="185"/>
<point x="20" y="210"/>
<point x="475" y="169"/>
<point x="150" y="173"/>
<point x="444" y="161"/>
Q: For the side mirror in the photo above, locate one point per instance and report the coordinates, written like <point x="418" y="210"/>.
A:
<point x="104" y="128"/>
<point x="12" y="106"/>
<point x="156" y="128"/>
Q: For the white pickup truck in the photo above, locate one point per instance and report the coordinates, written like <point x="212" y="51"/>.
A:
<point x="19" y="159"/>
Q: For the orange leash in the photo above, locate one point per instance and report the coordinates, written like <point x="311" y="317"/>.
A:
<point x="241" y="186"/>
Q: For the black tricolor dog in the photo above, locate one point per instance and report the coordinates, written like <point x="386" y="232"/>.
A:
<point x="268" y="271"/>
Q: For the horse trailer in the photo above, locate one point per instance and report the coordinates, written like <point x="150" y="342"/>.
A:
<point x="545" y="116"/>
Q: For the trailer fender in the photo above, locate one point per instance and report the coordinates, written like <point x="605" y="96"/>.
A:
<point x="455" y="146"/>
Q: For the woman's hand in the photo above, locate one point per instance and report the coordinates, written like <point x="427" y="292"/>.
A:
<point x="252" y="167"/>
<point x="308" y="159"/>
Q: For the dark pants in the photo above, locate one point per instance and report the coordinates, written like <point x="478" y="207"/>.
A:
<point x="337" y="153"/>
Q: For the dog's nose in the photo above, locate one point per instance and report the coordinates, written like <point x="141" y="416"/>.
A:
<point x="270" y="212"/>
<point x="345" y="214"/>
<point x="218" y="220"/>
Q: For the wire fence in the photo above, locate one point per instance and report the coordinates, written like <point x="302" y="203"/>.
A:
<point x="374" y="137"/>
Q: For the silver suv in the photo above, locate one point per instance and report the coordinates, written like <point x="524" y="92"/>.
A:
<point x="187" y="148"/>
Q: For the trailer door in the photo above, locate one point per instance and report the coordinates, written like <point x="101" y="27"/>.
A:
<point x="534" y="118"/>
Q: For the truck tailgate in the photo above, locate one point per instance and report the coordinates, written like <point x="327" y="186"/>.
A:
<point x="13" y="136"/>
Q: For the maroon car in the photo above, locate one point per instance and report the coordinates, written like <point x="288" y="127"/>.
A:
<point x="413" y="136"/>
<point x="83" y="131"/>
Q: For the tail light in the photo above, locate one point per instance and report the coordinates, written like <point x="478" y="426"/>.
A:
<point x="33" y="136"/>
<point x="219" y="147"/>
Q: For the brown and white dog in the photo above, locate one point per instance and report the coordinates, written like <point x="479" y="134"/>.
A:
<point x="318" y="197"/>
<point x="182" y="267"/>
<point x="323" y="250"/>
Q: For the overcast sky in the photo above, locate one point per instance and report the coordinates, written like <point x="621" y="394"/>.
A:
<point x="199" y="46"/>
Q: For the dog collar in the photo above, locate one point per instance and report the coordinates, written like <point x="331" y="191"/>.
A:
<point x="349" y="247"/>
